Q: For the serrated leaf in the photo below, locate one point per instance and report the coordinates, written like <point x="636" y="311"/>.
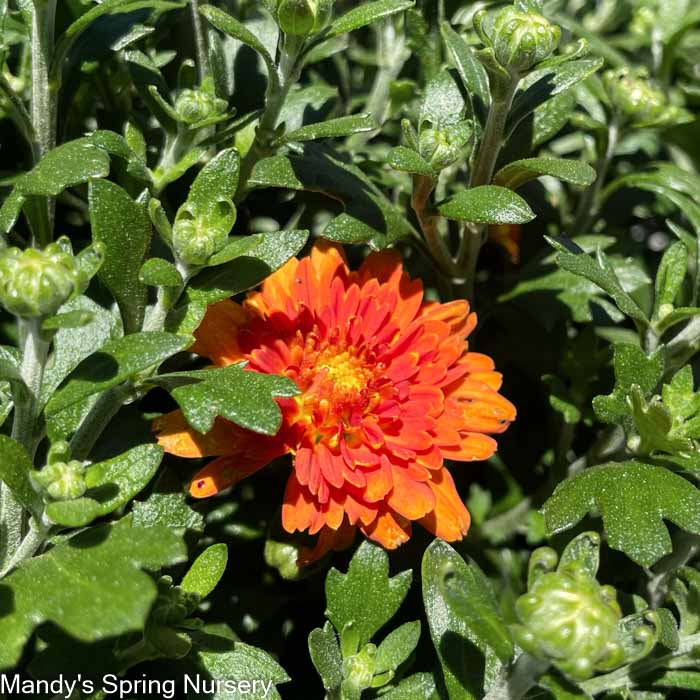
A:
<point x="365" y="14"/>
<point x="487" y="204"/>
<point x="65" y="166"/>
<point x="632" y="367"/>
<point x="366" y="597"/>
<point x="123" y="226"/>
<point x="333" y="128"/>
<point x="325" y="654"/>
<point x="241" y="396"/>
<point x="69" y="585"/>
<point x="600" y="271"/>
<point x="633" y="499"/>
<point x="169" y="510"/>
<point x="519" y="172"/>
<point x="207" y="570"/>
<point x="115" y="362"/>
<point x="110" y="485"/>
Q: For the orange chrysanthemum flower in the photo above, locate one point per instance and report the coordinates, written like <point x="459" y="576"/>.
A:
<point x="388" y="391"/>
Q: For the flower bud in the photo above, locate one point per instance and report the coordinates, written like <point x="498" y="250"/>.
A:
<point x="197" y="236"/>
<point x="302" y="17"/>
<point x="38" y="282"/>
<point x="195" y="106"/>
<point x="63" y="481"/>
<point x="570" y="619"/>
<point x="637" y="99"/>
<point x="523" y="39"/>
<point x="442" y="147"/>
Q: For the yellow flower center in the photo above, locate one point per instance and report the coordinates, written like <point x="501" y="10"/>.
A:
<point x="345" y="370"/>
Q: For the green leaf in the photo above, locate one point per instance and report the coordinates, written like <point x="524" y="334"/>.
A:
<point x="111" y="484"/>
<point x="72" y="346"/>
<point x="632" y="367"/>
<point x="227" y="24"/>
<point x="419" y="686"/>
<point x="469" y="68"/>
<point x="541" y="85"/>
<point x="365" y="598"/>
<point x="670" y="277"/>
<point x="519" y="172"/>
<point x="168" y="510"/>
<point x="369" y="217"/>
<point x="71" y="319"/>
<point x="228" y="660"/>
<point x="487" y="204"/>
<point x="325" y="654"/>
<point x="241" y="396"/>
<point x="667" y="628"/>
<point x="116" y="145"/>
<point x="365" y="14"/>
<point x="633" y="499"/>
<point x="408" y="161"/>
<point x="15" y="469"/>
<point x="396" y="647"/>
<point x="217" y="181"/>
<point x="333" y="128"/>
<point x="600" y="271"/>
<point x="468" y="595"/>
<point x="115" y="362"/>
<point x="459" y="649"/>
<point x="70" y="164"/>
<point x="123" y="226"/>
<point x="207" y="570"/>
<point x="69" y="585"/>
<point x="10" y="211"/>
<point x="442" y="103"/>
<point x="157" y="272"/>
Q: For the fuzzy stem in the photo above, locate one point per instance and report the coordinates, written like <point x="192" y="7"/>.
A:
<point x="200" y="40"/>
<point x="28" y="548"/>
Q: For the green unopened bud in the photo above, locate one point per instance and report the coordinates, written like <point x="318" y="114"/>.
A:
<point x="442" y="147"/>
<point x="521" y="40"/>
<point x="38" y="282"/>
<point x="63" y="481"/>
<point x="197" y="236"/>
<point x="195" y="106"/>
<point x="571" y="620"/>
<point x="359" y="668"/>
<point x="637" y="99"/>
<point x="302" y="17"/>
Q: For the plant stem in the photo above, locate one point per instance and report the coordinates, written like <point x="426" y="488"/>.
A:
<point x="279" y="84"/>
<point x="473" y="236"/>
<point x="683" y="346"/>
<point x="200" y="40"/>
<point x="34" y="350"/>
<point x="590" y="202"/>
<point x="27" y="549"/>
<point x="43" y="106"/>
<point x="524" y="674"/>
<point x="427" y="218"/>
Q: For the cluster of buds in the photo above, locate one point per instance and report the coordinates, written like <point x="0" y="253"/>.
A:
<point x="519" y="38"/>
<point x="62" y="479"/>
<point x="196" y="106"/>
<point x="637" y="100"/>
<point x="569" y="619"/>
<point x="301" y="17"/>
<point x="444" y="146"/>
<point x="197" y="235"/>
<point x="36" y="283"/>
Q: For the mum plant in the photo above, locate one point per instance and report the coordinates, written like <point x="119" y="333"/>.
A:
<point x="350" y="348"/>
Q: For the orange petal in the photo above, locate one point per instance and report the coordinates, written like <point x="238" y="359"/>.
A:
<point x="299" y="509"/>
<point x="221" y="473"/>
<point x="450" y="519"/>
<point x="175" y="436"/>
<point x="389" y="529"/>
<point x="328" y="540"/>
<point x="410" y="498"/>
<point x="217" y="335"/>
<point x="473" y="447"/>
